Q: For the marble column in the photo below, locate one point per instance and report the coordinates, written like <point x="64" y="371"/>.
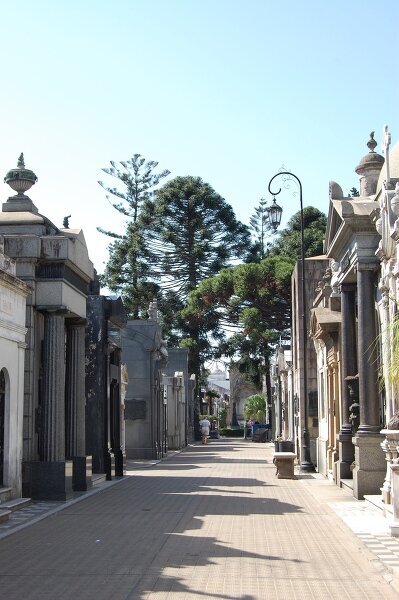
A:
<point x="369" y="471"/>
<point x="75" y="402"/>
<point x="348" y="368"/>
<point x="51" y="477"/>
<point x="367" y="357"/>
<point x="53" y="436"/>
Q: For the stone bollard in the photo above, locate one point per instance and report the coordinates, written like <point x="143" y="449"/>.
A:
<point x="284" y="462"/>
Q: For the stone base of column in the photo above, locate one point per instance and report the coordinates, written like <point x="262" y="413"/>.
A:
<point x="48" y="480"/>
<point x="346" y="457"/>
<point x="82" y="473"/>
<point x="120" y="463"/>
<point x="370" y="469"/>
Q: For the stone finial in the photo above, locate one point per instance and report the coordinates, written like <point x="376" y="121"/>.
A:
<point x="371" y="144"/>
<point x="21" y="161"/>
<point x="369" y="169"/>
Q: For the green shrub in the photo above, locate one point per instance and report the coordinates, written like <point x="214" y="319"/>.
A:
<point x="222" y="418"/>
<point x="228" y="432"/>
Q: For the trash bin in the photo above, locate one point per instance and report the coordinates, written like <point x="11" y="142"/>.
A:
<point x="286" y="446"/>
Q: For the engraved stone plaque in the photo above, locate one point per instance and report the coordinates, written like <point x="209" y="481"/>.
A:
<point x="135" y="409"/>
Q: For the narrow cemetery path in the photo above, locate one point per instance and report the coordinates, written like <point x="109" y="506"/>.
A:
<point x="211" y="522"/>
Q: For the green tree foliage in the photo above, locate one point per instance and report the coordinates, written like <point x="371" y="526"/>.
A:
<point x="261" y="229"/>
<point x="255" y="408"/>
<point x="252" y="303"/>
<point x="288" y="242"/>
<point x="128" y="271"/>
<point x="194" y="233"/>
<point x="222" y="417"/>
<point x="196" y="230"/>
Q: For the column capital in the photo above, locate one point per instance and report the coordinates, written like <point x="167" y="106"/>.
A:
<point x="347" y="287"/>
<point x="53" y="310"/>
<point x="367" y="266"/>
<point x="75" y="322"/>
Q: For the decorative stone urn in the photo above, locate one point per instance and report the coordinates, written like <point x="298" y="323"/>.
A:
<point x="20" y="179"/>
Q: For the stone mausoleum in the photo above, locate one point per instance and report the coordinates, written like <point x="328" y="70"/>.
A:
<point x="145" y="355"/>
<point x="54" y="263"/>
<point x="104" y="383"/>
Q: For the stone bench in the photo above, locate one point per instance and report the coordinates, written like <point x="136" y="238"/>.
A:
<point x="284" y="462"/>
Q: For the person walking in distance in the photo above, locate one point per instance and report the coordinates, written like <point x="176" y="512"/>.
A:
<point x="205" y="425"/>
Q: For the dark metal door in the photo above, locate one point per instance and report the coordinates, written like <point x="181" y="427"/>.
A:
<point x="2" y="408"/>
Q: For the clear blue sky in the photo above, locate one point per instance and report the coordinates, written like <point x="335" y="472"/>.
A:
<point x="228" y="90"/>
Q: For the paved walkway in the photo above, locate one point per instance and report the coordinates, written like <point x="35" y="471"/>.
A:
<point x="211" y="522"/>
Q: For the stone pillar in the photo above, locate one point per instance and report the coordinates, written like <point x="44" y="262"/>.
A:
<point x="109" y="457"/>
<point x="20" y="416"/>
<point x="330" y="417"/>
<point x="367" y="357"/>
<point x="348" y="368"/>
<point x="51" y="477"/>
<point x="369" y="471"/>
<point x="53" y="437"/>
<point x="75" y="406"/>
<point x="336" y="415"/>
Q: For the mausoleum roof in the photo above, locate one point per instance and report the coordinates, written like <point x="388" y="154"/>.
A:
<point x="12" y="218"/>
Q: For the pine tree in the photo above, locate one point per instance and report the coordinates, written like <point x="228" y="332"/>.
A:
<point x="288" y="241"/>
<point x="194" y="234"/>
<point x="128" y="271"/>
<point x="261" y="228"/>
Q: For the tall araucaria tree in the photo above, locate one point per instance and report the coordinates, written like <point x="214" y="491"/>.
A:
<point x="129" y="271"/>
<point x="195" y="234"/>
<point x="261" y="229"/>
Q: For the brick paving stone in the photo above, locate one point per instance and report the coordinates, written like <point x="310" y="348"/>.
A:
<point x="210" y="522"/>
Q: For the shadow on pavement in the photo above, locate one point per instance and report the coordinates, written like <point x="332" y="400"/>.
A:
<point x="134" y="538"/>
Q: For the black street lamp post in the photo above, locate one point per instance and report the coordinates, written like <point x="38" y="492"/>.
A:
<point x="274" y="213"/>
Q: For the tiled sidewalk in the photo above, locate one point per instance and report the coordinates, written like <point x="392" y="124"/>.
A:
<point x="372" y="528"/>
<point x="210" y="522"/>
<point x="38" y="510"/>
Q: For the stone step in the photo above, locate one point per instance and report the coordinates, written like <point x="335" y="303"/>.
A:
<point x="4" y="515"/>
<point x="377" y="502"/>
<point x="16" y="504"/>
<point x="347" y="485"/>
<point x="97" y="478"/>
<point x="5" y="493"/>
